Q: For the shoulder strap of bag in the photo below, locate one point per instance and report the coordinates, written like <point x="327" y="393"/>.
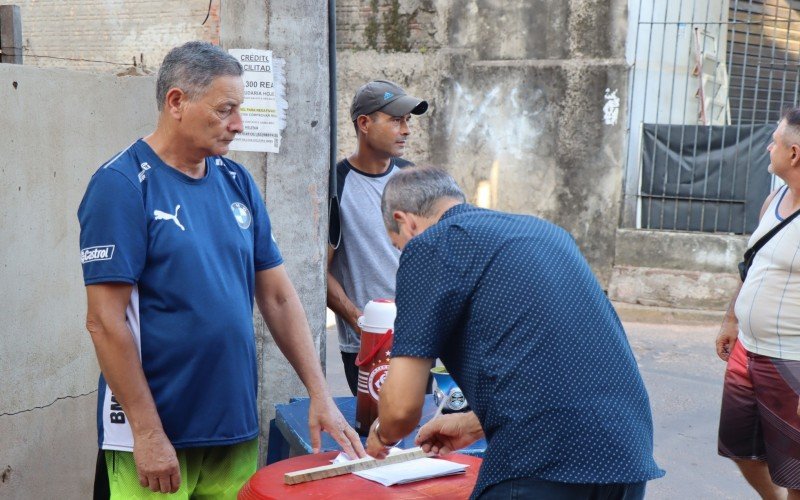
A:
<point x="751" y="252"/>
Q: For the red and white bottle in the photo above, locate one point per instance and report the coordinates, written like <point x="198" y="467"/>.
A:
<point x="377" y="326"/>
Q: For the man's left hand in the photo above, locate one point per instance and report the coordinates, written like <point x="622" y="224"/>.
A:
<point x="448" y="433"/>
<point x="323" y="415"/>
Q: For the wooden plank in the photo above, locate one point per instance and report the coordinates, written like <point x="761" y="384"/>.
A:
<point x="325" y="471"/>
<point x="10" y="34"/>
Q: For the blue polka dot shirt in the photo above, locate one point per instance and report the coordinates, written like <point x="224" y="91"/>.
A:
<point x="514" y="312"/>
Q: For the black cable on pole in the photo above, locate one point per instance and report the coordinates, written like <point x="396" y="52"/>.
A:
<point x="334" y="227"/>
<point x="208" y="14"/>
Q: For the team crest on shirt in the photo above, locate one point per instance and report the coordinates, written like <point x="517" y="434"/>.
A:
<point x="242" y="215"/>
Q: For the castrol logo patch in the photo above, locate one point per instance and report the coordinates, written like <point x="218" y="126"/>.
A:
<point x="376" y="379"/>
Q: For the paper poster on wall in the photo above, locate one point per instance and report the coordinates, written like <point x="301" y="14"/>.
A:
<point x="264" y="107"/>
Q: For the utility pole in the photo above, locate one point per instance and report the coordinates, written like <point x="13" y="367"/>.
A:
<point x="294" y="181"/>
<point x="10" y="34"/>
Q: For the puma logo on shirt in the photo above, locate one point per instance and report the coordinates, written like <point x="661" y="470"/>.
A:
<point x="165" y="216"/>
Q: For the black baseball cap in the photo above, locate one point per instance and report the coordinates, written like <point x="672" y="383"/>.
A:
<point x="387" y="97"/>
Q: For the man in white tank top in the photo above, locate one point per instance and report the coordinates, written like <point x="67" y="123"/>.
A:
<point x="760" y="339"/>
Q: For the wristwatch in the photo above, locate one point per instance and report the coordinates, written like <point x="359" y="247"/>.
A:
<point x="380" y="439"/>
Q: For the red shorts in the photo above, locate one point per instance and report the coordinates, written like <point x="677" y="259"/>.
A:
<point x="758" y="420"/>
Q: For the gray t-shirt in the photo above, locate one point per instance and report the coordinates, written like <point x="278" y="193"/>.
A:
<point x="365" y="263"/>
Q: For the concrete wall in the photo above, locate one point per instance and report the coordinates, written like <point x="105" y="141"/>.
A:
<point x="104" y="36"/>
<point x="57" y="128"/>
<point x="517" y="90"/>
<point x="675" y="269"/>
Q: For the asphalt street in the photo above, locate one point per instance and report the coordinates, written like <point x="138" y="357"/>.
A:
<point x="684" y="380"/>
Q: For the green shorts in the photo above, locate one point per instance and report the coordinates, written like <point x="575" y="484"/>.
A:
<point x="211" y="472"/>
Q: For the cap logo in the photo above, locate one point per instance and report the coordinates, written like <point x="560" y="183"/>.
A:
<point x="387" y="95"/>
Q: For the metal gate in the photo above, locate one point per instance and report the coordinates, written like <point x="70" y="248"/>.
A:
<point x="708" y="82"/>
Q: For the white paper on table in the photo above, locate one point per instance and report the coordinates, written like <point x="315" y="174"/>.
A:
<point x="413" y="470"/>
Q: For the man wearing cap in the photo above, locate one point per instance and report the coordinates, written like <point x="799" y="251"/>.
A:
<point x="364" y="264"/>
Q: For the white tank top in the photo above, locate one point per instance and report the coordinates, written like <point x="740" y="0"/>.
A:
<point x="768" y="307"/>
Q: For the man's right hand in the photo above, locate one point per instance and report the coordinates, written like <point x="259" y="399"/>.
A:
<point x="448" y="433"/>
<point x="726" y="338"/>
<point x="156" y="462"/>
<point x="352" y="320"/>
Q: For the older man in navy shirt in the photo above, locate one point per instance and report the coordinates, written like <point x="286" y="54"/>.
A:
<point x="511" y="307"/>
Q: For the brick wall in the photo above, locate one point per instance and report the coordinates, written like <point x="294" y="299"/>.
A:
<point x="106" y="35"/>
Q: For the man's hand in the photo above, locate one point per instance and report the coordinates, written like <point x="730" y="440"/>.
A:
<point x="448" y="433"/>
<point x="726" y="338"/>
<point x="156" y="462"/>
<point x="323" y="415"/>
<point x="375" y="448"/>
<point x="352" y="319"/>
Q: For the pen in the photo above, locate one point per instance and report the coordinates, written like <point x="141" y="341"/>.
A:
<point x="441" y="406"/>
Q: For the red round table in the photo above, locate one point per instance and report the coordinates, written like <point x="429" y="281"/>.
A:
<point x="267" y="483"/>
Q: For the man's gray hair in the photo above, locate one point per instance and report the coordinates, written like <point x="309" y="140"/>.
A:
<point x="416" y="190"/>
<point x="192" y="67"/>
<point x="792" y="117"/>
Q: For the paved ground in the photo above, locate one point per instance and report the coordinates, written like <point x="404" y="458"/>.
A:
<point x="683" y="376"/>
<point x="684" y="379"/>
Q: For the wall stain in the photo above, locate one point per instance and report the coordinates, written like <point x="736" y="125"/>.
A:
<point x="394" y="26"/>
<point x="371" y="31"/>
<point x="502" y="119"/>
<point x="395" y="29"/>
